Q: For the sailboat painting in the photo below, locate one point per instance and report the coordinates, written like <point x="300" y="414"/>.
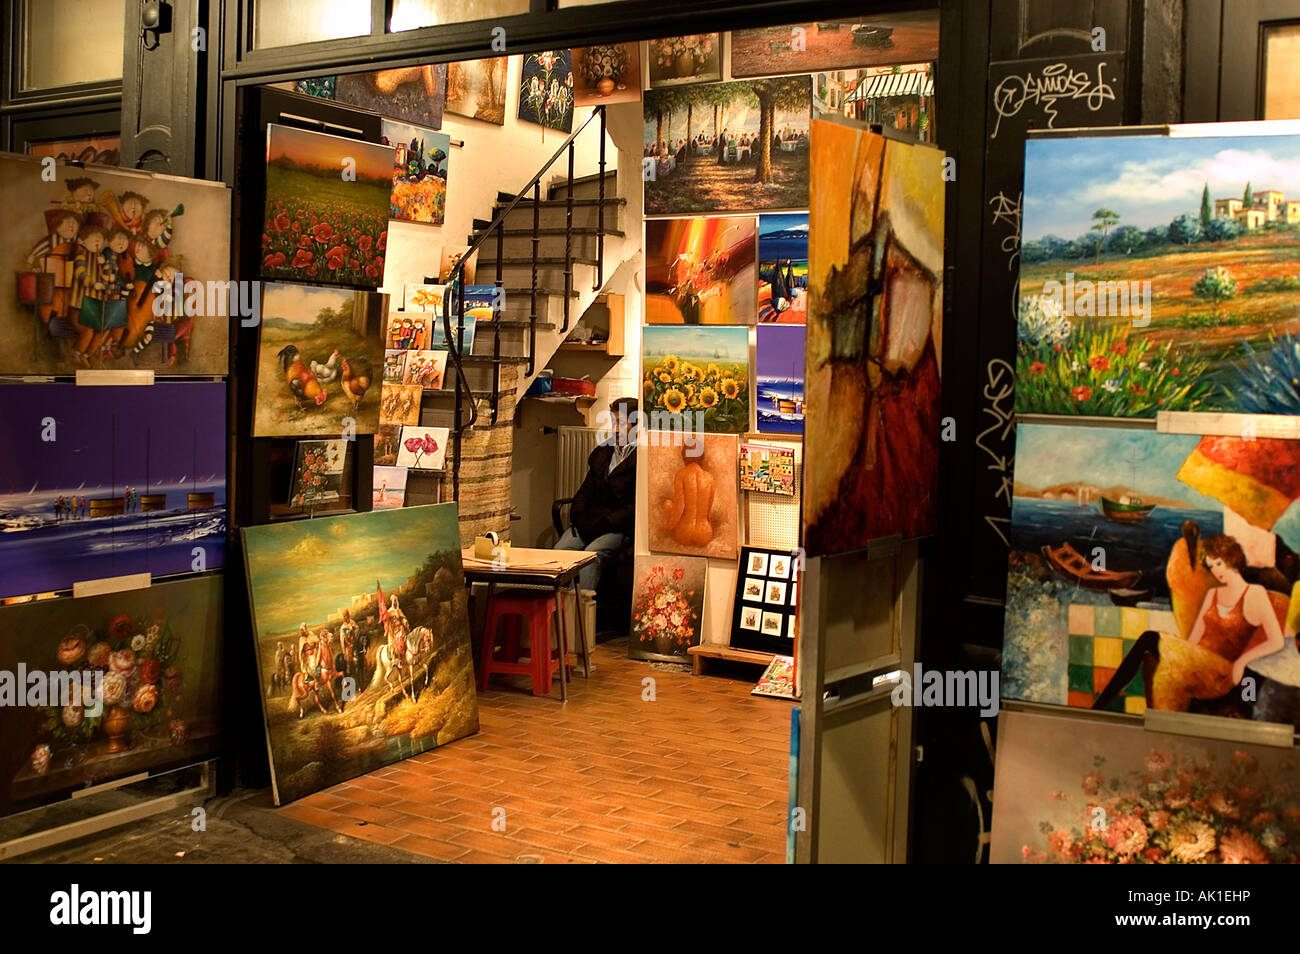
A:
<point x="1121" y="539"/>
<point x="778" y="379"/>
<point x="109" y="481"/>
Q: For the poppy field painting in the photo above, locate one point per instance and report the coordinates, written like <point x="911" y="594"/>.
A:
<point x="327" y="204"/>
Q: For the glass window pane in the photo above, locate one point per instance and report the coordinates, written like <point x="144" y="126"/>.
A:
<point x="289" y="22"/>
<point x="68" y="42"/>
<point x="413" y="14"/>
<point x="1282" y="71"/>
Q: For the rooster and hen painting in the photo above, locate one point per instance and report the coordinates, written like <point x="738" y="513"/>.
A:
<point x="320" y="361"/>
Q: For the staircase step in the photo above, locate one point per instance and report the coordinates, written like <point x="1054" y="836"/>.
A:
<point x="526" y="292"/>
<point x="481" y="227"/>
<point x="505" y="200"/>
<point x="590" y="184"/>
<point x="542" y="260"/>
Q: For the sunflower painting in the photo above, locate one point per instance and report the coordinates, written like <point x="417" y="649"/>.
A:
<point x="696" y="377"/>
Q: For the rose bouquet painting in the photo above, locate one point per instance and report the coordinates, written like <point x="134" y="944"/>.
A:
<point x="141" y="674"/>
<point x="694" y="57"/>
<point x="423" y="448"/>
<point x="667" y="607"/>
<point x="1121" y="795"/>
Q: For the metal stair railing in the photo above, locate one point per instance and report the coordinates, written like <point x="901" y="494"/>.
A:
<point x="456" y="298"/>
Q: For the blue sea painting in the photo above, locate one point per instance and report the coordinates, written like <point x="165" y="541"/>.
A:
<point x="783" y="237"/>
<point x="779" y="378"/>
<point x="108" y="481"/>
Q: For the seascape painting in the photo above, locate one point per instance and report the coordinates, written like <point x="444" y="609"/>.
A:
<point x="1160" y="273"/>
<point x="783" y="267"/>
<point x="875" y="328"/>
<point x="94" y="256"/>
<point x="727" y="147"/>
<point x="108" y="481"/>
<point x="148" y="664"/>
<point x="1120" y="794"/>
<point x="1152" y="570"/>
<point x="778" y="378"/>
<point x="362" y="630"/>
<point x="320" y="361"/>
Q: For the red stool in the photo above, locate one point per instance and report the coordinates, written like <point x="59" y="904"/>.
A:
<point x="512" y="608"/>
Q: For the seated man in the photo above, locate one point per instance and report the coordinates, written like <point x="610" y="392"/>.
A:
<point x="603" y="514"/>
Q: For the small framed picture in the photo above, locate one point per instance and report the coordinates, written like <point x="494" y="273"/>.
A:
<point x="772" y="623"/>
<point x="749" y="617"/>
<point x="792" y="619"/>
<point x="758" y="563"/>
<point x="775" y="593"/>
<point x="779" y="567"/>
<point x="794" y="594"/>
<point x="753" y="589"/>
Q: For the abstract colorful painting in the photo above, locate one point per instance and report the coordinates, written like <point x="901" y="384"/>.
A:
<point x="1159" y="275"/>
<point x="108" y="481"/>
<point x="875" y="316"/>
<point x="701" y="271"/>
<point x="610" y="73"/>
<point x="477" y="89"/>
<point x="778" y="378"/>
<point x="783" y="267"/>
<point x="667" y="606"/>
<point x="317" y="357"/>
<point x="450" y="257"/>
<point x="362" y="635"/>
<point x="413" y="94"/>
<point x="733" y="147"/>
<point x="420" y="158"/>
<point x="678" y="60"/>
<point x="1119" y="794"/>
<point x="1153" y="570"/>
<point x="695" y="375"/>
<point x="693" y="495"/>
<point x="767" y="468"/>
<point x="425" y="368"/>
<point x="423" y="448"/>
<point x="425" y="298"/>
<point x="317" y="472"/>
<point x="147" y="663"/>
<point x="546" y="90"/>
<point x="94" y="257"/>
<point x="835" y="45"/>
<point x="777" y="680"/>
<point x="388" y="488"/>
<point x="327" y="203"/>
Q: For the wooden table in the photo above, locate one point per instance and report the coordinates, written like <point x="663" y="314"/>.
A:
<point x="528" y="567"/>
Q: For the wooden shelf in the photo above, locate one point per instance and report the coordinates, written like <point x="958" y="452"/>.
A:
<point x="602" y="348"/>
<point x="727" y="654"/>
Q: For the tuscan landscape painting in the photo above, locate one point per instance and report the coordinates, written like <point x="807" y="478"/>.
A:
<point x="1178" y="261"/>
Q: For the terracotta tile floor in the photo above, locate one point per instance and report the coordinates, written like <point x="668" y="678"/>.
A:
<point x="698" y="775"/>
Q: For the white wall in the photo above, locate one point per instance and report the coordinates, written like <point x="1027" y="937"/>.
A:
<point x="494" y="158"/>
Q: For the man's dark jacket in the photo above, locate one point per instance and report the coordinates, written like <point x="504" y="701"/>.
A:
<point x="605" y="503"/>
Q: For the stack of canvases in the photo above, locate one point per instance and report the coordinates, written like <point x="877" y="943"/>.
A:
<point x="110" y="489"/>
<point x="1153" y="556"/>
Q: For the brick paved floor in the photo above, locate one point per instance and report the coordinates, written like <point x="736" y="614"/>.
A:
<point x="698" y="775"/>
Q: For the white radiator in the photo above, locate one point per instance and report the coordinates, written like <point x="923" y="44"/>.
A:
<point x="575" y="446"/>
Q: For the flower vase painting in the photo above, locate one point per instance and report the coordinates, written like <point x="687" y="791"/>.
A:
<point x="609" y="73"/>
<point x="362" y="632"/>
<point x="327" y="205"/>
<point x="1153" y="571"/>
<point x="874" y="339"/>
<point x="692" y="491"/>
<point x="1120" y="794"/>
<point x="1159" y="275"/>
<point x="317" y="473"/>
<point x="701" y="271"/>
<point x="692" y="58"/>
<point x="320" y="361"/>
<point x="91" y="257"/>
<point x="141" y="693"/>
<point x="546" y="90"/>
<point x="667" y="607"/>
<point x="727" y="147"/>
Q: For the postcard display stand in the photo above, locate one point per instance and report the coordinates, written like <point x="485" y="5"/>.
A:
<point x="113" y="490"/>
<point x="1151" y="587"/>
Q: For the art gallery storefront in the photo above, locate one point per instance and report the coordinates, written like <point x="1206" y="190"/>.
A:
<point x="394" y="465"/>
